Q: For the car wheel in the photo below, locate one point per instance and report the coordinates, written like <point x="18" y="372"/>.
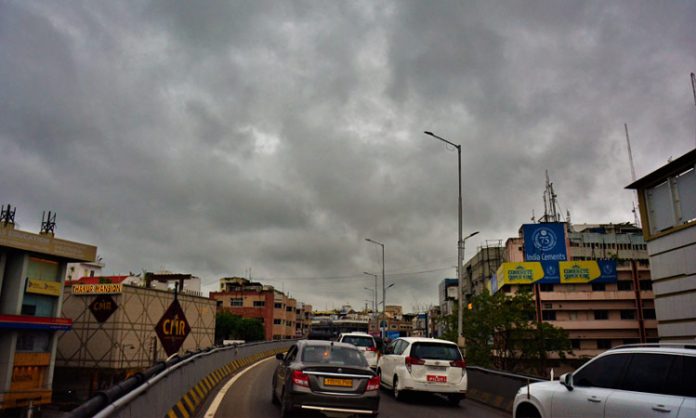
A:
<point x="526" y="410"/>
<point x="395" y="387"/>
<point x="285" y="406"/>
<point x="454" y="399"/>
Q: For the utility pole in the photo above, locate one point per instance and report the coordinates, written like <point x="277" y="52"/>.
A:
<point x="693" y="86"/>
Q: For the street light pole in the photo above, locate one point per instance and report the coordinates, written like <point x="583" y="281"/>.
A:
<point x="460" y="242"/>
<point x="375" y="276"/>
<point x="384" y="290"/>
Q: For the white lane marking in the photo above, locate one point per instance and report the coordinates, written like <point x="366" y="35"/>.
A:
<point x="212" y="410"/>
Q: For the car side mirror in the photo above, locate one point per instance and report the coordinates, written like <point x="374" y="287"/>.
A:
<point x="280" y="356"/>
<point x="567" y="380"/>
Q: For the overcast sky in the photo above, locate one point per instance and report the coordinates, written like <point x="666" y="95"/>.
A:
<point x="217" y="137"/>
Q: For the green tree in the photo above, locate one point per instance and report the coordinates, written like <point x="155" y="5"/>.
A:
<point x="234" y="327"/>
<point x="501" y="332"/>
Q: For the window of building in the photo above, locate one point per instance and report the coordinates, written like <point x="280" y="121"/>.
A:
<point x="598" y="287"/>
<point x="548" y="315"/>
<point x="646" y="285"/>
<point x="278" y="305"/>
<point x="572" y="316"/>
<point x="624" y="285"/>
<point x="545" y="287"/>
<point x="649" y="314"/>
<point x="236" y="302"/>
<point x="259" y="303"/>
<point x="631" y="341"/>
<point x="35" y="342"/>
<point x="288" y="309"/>
<point x="277" y="322"/>
<point x="603" y="344"/>
<point x="601" y="314"/>
<point x="628" y="314"/>
<point x="575" y="344"/>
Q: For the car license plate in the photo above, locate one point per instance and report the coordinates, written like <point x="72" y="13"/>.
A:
<point x="438" y="379"/>
<point x="346" y="383"/>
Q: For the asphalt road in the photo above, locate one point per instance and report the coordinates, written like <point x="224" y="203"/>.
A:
<point x="250" y="397"/>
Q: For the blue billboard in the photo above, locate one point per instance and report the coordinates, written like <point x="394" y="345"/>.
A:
<point x="545" y="243"/>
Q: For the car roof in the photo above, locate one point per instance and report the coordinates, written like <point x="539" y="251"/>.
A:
<point x="358" y="334"/>
<point x="684" y="350"/>
<point x="324" y="343"/>
<point x="425" y="340"/>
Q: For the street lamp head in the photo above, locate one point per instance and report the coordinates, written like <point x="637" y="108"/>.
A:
<point x="391" y="285"/>
<point x="472" y="234"/>
<point x="428" y="133"/>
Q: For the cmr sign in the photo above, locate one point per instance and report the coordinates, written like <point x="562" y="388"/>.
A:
<point x="102" y="307"/>
<point x="172" y="329"/>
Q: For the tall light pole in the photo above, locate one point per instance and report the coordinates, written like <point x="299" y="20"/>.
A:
<point x="460" y="242"/>
<point x="384" y="303"/>
<point x="375" y="276"/>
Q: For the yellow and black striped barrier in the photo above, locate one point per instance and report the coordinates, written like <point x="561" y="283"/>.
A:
<point x="188" y="405"/>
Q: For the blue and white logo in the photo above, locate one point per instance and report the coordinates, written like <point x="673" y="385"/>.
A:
<point x="544" y="239"/>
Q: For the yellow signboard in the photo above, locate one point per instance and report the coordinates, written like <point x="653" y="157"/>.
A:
<point x="97" y="289"/>
<point x="519" y="273"/>
<point x="43" y="287"/>
<point x="579" y="271"/>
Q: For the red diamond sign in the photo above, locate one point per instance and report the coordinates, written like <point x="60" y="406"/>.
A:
<point x="173" y="328"/>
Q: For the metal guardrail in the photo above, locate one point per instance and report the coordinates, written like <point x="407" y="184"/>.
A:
<point x="495" y="387"/>
<point x="158" y="389"/>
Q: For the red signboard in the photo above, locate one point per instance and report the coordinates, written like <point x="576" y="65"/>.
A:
<point x="172" y="329"/>
<point x="35" y="322"/>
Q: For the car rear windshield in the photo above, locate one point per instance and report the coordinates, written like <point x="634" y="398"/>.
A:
<point x="435" y="351"/>
<point x="333" y="355"/>
<point x="358" y="341"/>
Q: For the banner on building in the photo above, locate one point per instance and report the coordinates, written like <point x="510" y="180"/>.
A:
<point x="102" y="307"/>
<point x="544" y="242"/>
<point x="564" y="272"/>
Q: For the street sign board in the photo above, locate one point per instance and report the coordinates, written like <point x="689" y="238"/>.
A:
<point x="173" y="328"/>
<point x="102" y="307"/>
<point x="544" y="242"/>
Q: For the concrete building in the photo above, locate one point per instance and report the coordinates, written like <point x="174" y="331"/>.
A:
<point x="32" y="268"/>
<point x="84" y="269"/>
<point x="248" y="299"/>
<point x="667" y="201"/>
<point x="480" y="268"/>
<point x="598" y="316"/>
<point x="113" y="334"/>
<point x="304" y="319"/>
<point x="447" y="295"/>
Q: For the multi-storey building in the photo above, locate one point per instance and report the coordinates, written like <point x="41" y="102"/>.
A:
<point x="114" y="328"/>
<point x="598" y="316"/>
<point x="447" y="295"/>
<point x="480" y="268"/>
<point x="248" y="299"/>
<point x="667" y="201"/>
<point x="32" y="270"/>
<point x="304" y="319"/>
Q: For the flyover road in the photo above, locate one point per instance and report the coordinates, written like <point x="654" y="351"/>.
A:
<point x="249" y="396"/>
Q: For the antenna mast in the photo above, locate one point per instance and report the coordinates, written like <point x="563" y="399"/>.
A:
<point x="693" y="86"/>
<point x="550" y="211"/>
<point x="636" y="221"/>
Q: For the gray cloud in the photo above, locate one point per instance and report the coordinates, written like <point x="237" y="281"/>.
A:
<point x="218" y="137"/>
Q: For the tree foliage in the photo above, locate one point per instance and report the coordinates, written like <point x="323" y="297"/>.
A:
<point x="501" y="333"/>
<point x="233" y="327"/>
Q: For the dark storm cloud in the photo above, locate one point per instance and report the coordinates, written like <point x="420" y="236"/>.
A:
<point x="218" y="137"/>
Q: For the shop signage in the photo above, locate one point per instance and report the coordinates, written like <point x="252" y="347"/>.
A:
<point x="46" y="244"/>
<point x="564" y="272"/>
<point x="102" y="307"/>
<point x="173" y="328"/>
<point x="519" y="273"/>
<point x="35" y="322"/>
<point x="44" y="287"/>
<point x="97" y="289"/>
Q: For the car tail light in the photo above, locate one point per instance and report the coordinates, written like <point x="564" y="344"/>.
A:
<point x="300" y="378"/>
<point x="458" y="363"/>
<point x="371" y="349"/>
<point x="373" y="384"/>
<point x="410" y="361"/>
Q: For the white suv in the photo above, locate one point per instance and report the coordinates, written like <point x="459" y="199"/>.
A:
<point x="424" y="365"/>
<point x="365" y="343"/>
<point x="627" y="381"/>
